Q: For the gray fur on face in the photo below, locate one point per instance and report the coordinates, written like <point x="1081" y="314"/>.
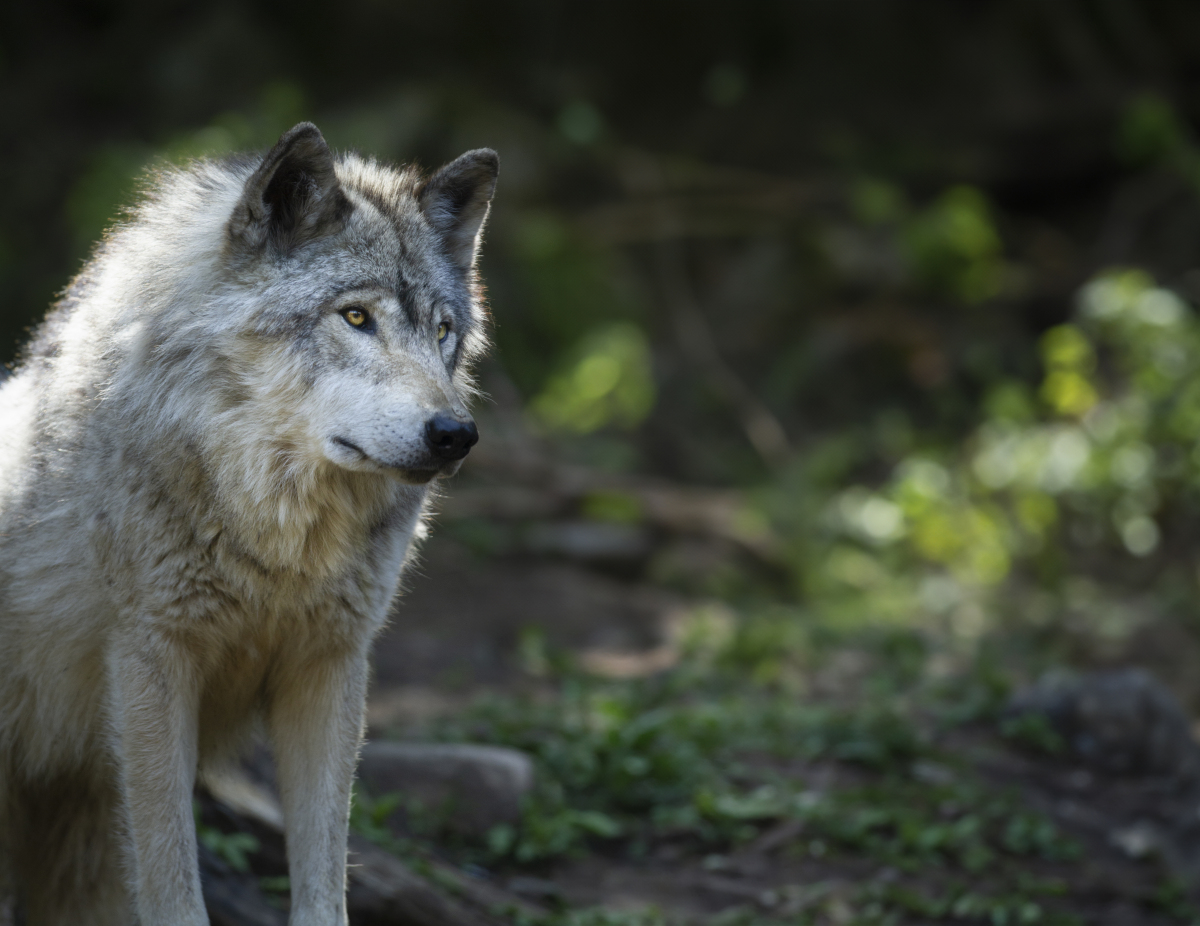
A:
<point x="213" y="459"/>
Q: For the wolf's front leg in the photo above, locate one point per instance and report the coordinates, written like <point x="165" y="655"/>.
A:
<point x="315" y="717"/>
<point x="154" y="716"/>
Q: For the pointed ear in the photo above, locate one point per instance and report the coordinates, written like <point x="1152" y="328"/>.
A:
<point x="456" y="199"/>
<point x="293" y="197"/>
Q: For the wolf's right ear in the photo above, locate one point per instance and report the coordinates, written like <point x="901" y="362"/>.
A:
<point x="293" y="197"/>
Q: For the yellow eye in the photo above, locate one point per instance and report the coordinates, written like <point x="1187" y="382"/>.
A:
<point x="443" y="331"/>
<point x="355" y="316"/>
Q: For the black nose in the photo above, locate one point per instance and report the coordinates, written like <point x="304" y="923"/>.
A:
<point x="449" y="438"/>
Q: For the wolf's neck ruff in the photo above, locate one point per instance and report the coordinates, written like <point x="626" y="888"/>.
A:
<point x="311" y="519"/>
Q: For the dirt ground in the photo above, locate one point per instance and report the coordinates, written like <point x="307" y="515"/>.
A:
<point x="457" y="636"/>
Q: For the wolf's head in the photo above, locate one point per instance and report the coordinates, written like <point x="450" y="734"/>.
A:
<point x="359" y="305"/>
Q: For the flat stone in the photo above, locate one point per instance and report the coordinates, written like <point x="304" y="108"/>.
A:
<point x="477" y="787"/>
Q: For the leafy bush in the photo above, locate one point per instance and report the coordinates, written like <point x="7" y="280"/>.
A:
<point x="1089" y="481"/>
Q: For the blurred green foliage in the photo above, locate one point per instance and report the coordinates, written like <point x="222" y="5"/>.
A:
<point x="1151" y="133"/>
<point x="1084" y="475"/>
<point x="609" y="382"/>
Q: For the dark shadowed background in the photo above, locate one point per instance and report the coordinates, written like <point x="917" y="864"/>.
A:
<point x="812" y="320"/>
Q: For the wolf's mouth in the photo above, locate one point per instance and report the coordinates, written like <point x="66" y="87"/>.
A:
<point x="413" y="474"/>
<point x="341" y="441"/>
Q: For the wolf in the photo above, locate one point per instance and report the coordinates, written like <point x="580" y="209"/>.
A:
<point x="215" y="456"/>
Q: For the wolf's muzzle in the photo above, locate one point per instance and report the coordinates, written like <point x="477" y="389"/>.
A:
<point x="450" y="439"/>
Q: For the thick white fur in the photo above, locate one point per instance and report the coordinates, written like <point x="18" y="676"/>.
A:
<point x="184" y="548"/>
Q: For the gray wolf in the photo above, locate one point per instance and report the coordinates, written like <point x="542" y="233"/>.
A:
<point x="214" y="457"/>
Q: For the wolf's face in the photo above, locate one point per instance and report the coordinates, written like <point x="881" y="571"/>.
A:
<point x="364" y="308"/>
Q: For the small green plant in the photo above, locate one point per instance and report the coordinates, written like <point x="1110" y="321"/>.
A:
<point x="369" y="816"/>
<point x="1171" y="897"/>
<point x="1034" y="732"/>
<point x="234" y="849"/>
<point x="601" y="916"/>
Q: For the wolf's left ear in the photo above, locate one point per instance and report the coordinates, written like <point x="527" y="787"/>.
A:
<point x="294" y="196"/>
<point x="456" y="199"/>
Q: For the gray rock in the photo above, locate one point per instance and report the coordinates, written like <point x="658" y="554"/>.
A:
<point x="1129" y="730"/>
<point x="477" y="787"/>
<point x="1121" y="722"/>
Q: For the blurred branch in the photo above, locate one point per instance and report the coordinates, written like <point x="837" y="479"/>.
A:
<point x="1129" y="212"/>
<point x="671" y="198"/>
<point x="704" y="215"/>
<point x="672" y="201"/>
<point x="521" y="485"/>
<point x="696" y="340"/>
<point x="1072" y="29"/>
